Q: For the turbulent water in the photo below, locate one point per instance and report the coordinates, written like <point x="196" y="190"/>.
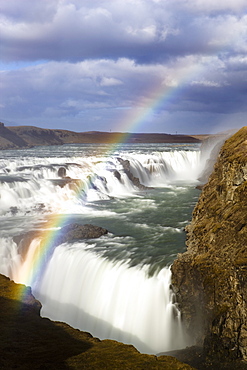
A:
<point x="117" y="286"/>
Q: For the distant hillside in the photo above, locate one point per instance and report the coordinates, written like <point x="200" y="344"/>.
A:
<point x="27" y="136"/>
<point x="9" y="139"/>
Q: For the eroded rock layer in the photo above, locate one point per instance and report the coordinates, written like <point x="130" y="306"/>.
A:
<point x="210" y="278"/>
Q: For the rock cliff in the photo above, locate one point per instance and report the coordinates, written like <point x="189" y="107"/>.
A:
<point x="210" y="278"/>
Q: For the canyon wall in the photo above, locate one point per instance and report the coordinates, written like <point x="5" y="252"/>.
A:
<point x="210" y="278"/>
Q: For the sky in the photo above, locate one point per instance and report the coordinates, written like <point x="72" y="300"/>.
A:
<point x="165" y="66"/>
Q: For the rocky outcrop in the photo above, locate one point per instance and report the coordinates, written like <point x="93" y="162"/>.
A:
<point x="210" y="278"/>
<point x="77" y="231"/>
<point x="68" y="233"/>
<point x="135" y="180"/>
<point x="210" y="149"/>
<point x="28" y="341"/>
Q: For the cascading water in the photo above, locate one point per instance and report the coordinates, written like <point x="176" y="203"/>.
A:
<point x="111" y="300"/>
<point x="118" y="286"/>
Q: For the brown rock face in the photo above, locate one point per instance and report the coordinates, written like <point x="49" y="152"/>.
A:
<point x="210" y="278"/>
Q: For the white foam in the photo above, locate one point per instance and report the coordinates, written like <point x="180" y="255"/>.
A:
<point x="111" y="300"/>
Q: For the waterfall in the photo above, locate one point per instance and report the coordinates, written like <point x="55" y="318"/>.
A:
<point x="111" y="300"/>
<point x="29" y="186"/>
<point x="108" y="299"/>
<point x="102" y="288"/>
<point x="166" y="167"/>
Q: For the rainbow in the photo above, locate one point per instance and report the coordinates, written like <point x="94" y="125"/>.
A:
<point x="39" y="249"/>
<point x="158" y="98"/>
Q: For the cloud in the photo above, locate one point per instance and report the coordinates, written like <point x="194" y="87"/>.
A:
<point x="110" y="81"/>
<point x="78" y="30"/>
<point x="206" y="83"/>
<point x="71" y="88"/>
<point x="212" y="6"/>
<point x="96" y="60"/>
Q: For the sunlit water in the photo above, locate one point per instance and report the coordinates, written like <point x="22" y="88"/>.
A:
<point x="117" y="286"/>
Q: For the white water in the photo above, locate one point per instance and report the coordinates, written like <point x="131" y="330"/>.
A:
<point x="109" y="297"/>
<point x="25" y="185"/>
<point x="111" y="300"/>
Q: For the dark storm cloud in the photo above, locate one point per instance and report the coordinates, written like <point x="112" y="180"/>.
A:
<point x="93" y="61"/>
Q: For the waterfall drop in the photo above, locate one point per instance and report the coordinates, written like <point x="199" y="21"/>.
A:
<point x="111" y="300"/>
<point x="118" y="286"/>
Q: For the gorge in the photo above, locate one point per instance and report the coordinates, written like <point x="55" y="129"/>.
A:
<point x="209" y="280"/>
